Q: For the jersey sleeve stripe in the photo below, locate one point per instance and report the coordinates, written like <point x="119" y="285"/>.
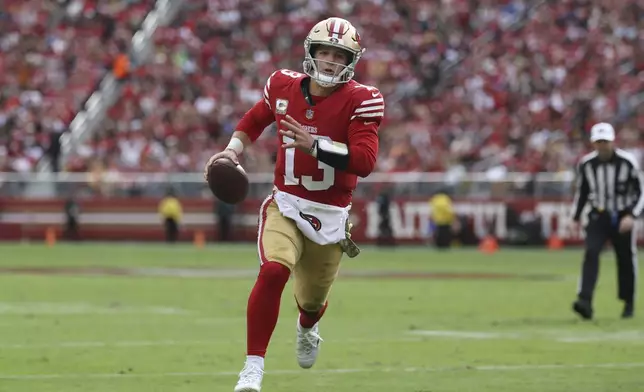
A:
<point x="369" y="109"/>
<point x="377" y="114"/>
<point x="372" y="101"/>
<point x="266" y="96"/>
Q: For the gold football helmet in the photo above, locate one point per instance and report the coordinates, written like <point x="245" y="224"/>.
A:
<point x="338" y="33"/>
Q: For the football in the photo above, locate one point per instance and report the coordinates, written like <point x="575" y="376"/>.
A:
<point x="227" y="181"/>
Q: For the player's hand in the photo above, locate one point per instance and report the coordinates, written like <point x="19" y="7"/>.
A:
<point x="626" y="224"/>
<point x="302" y="140"/>
<point x="226" y="154"/>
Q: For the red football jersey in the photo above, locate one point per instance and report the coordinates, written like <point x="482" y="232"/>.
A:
<point x="350" y="115"/>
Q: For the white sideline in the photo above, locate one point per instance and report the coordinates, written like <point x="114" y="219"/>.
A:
<point x="119" y="320"/>
<point x="170" y="342"/>
<point x="81" y="308"/>
<point x="490" y="368"/>
<point x="468" y="334"/>
<point x="562" y="336"/>
<point x="634" y="337"/>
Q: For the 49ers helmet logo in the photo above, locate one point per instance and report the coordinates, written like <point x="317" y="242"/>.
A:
<point x="337" y="28"/>
<point x="356" y="38"/>
<point x="315" y="222"/>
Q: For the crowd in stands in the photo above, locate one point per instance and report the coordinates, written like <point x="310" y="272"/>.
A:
<point x="53" y="53"/>
<point x="470" y="85"/>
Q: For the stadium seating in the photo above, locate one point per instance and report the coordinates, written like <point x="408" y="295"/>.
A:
<point x="52" y="55"/>
<point x="470" y="85"/>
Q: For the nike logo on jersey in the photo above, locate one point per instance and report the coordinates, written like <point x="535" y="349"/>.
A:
<point x="375" y="94"/>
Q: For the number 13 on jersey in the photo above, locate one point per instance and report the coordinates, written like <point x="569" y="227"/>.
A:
<point x="328" y="173"/>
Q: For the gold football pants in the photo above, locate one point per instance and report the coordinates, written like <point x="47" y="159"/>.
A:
<point x="314" y="267"/>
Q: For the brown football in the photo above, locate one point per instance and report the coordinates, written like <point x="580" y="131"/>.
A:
<point x="227" y="181"/>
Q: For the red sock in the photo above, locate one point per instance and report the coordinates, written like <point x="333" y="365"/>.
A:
<point x="308" y="319"/>
<point x="264" y="306"/>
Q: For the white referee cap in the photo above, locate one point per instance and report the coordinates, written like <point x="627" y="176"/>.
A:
<point x="602" y="131"/>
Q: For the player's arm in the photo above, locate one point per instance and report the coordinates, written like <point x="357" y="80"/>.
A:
<point x="259" y="116"/>
<point x="637" y="207"/>
<point x="253" y="123"/>
<point x="363" y="133"/>
<point x="249" y="128"/>
<point x="362" y="147"/>
<point x="581" y="192"/>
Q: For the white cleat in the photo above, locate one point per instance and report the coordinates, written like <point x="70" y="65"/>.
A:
<point x="250" y="379"/>
<point x="307" y="345"/>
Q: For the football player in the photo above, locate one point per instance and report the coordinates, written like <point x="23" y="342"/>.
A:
<point x="328" y="137"/>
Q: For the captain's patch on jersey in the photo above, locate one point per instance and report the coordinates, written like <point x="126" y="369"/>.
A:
<point x="281" y="105"/>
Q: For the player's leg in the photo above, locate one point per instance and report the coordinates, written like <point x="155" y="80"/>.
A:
<point x="443" y="236"/>
<point x="280" y="245"/>
<point x="626" y="254"/>
<point x="597" y="232"/>
<point x="314" y="275"/>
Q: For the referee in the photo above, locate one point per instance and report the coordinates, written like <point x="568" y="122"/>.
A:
<point x="609" y="179"/>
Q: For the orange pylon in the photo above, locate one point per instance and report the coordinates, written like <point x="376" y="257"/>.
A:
<point x="489" y="245"/>
<point x="50" y="236"/>
<point x="554" y="242"/>
<point x="199" y="239"/>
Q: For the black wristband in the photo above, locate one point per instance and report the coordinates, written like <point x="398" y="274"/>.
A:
<point x="337" y="161"/>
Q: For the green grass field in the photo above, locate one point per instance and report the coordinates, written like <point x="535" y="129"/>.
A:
<point x="142" y="318"/>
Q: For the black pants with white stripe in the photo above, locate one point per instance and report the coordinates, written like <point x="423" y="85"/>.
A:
<point x="602" y="228"/>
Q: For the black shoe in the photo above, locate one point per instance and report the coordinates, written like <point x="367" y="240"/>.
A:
<point x="583" y="308"/>
<point x="628" y="310"/>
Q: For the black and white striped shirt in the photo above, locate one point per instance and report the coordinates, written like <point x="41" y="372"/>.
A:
<point x="614" y="185"/>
